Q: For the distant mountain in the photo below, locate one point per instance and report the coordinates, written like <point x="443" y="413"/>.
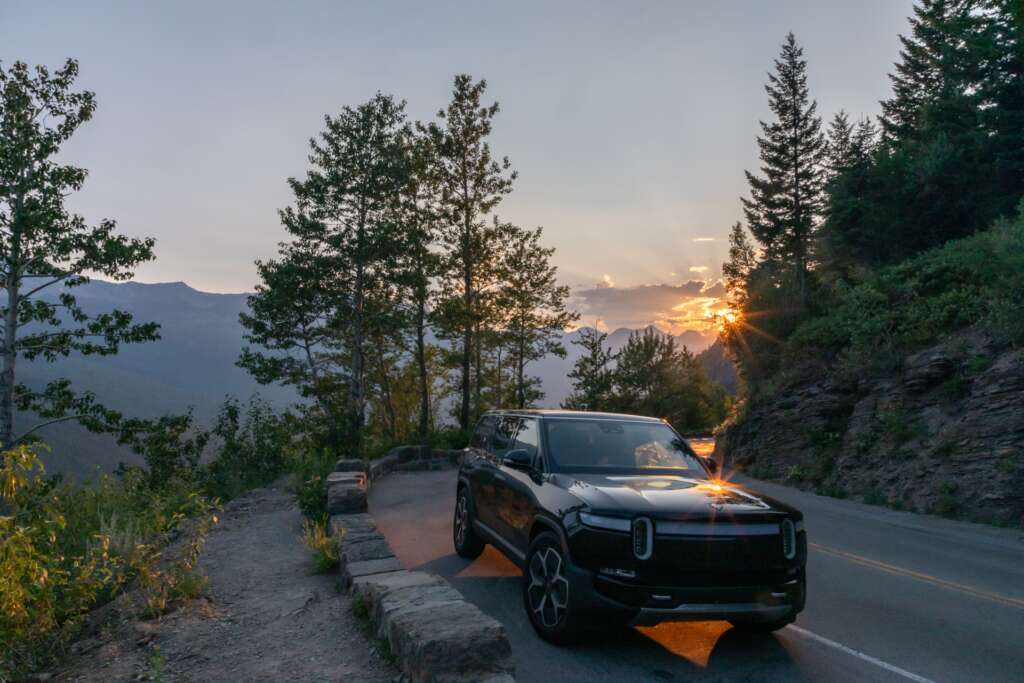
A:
<point x="193" y="364"/>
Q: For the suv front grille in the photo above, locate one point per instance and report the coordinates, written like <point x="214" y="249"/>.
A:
<point x="643" y="538"/>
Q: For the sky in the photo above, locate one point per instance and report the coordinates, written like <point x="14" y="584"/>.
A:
<point x="630" y="123"/>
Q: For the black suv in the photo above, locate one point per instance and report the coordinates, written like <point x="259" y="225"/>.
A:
<point x="616" y="515"/>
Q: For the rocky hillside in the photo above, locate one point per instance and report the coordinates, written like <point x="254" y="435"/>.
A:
<point x="943" y="434"/>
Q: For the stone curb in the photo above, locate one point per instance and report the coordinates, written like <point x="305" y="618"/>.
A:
<point x="434" y="634"/>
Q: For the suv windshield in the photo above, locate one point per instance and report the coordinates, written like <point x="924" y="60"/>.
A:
<point x="585" y="445"/>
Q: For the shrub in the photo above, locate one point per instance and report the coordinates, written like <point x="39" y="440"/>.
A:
<point x="449" y="438"/>
<point x="872" y="320"/>
<point x="310" y="467"/>
<point x="65" y="550"/>
<point x="251" y="446"/>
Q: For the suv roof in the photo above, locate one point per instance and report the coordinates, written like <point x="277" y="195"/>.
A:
<point x="546" y="412"/>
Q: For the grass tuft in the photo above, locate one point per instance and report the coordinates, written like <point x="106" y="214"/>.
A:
<point x="324" y="546"/>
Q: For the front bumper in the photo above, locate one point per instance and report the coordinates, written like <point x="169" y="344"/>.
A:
<point x="688" y="581"/>
<point x="651" y="605"/>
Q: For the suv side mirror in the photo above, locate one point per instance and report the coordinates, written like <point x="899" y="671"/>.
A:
<point x="712" y="464"/>
<point x="519" y="459"/>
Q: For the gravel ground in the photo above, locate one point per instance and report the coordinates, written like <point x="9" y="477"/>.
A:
<point x="264" y="615"/>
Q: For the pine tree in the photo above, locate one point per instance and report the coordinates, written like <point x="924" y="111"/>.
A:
<point x="785" y="203"/>
<point x="1000" y="49"/>
<point x="292" y="322"/>
<point x="45" y="248"/>
<point x="418" y="214"/>
<point x="472" y="183"/>
<point x="343" y="218"/>
<point x="591" y="374"/>
<point x="653" y="376"/>
<point x="742" y="262"/>
<point x="840" y="144"/>
<point x="932" y="84"/>
<point x="533" y="306"/>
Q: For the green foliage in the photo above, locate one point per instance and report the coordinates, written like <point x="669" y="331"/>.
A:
<point x="252" y="444"/>
<point x="449" y="438"/>
<point x="310" y="467"/>
<point x="532" y="304"/>
<point x="44" y="246"/>
<point x="591" y="375"/>
<point x="471" y="183"/>
<point x="651" y="376"/>
<point x="64" y="550"/>
<point x="786" y="199"/>
<point x="946" y="503"/>
<point x="873" y="321"/>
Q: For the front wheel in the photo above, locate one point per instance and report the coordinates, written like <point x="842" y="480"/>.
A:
<point x="548" y="593"/>
<point x="467" y="543"/>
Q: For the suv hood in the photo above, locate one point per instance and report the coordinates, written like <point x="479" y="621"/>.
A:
<point x="668" y="496"/>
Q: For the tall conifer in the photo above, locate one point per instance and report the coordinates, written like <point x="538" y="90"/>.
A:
<point x="785" y="201"/>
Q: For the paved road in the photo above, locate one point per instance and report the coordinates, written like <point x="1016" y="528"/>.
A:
<point x="891" y="597"/>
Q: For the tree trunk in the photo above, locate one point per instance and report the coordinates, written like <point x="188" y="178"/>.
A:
<point x="356" y="391"/>
<point x="385" y="386"/>
<point x="497" y="394"/>
<point x="9" y="353"/>
<point x="520" y="377"/>
<point x="478" y="373"/>
<point x="467" y="331"/>
<point x="421" y="361"/>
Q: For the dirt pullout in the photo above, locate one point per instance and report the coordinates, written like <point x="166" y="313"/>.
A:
<point x="264" y="616"/>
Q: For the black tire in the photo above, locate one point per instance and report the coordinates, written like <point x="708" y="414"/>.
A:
<point x="548" y="594"/>
<point x="763" y="626"/>
<point x="467" y="543"/>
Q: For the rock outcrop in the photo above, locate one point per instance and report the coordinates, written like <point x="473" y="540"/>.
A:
<point x="944" y="434"/>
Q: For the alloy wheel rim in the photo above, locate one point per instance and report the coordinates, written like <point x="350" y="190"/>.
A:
<point x="548" y="591"/>
<point x="461" y="520"/>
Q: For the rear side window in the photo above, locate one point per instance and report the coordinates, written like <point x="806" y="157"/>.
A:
<point x="482" y="435"/>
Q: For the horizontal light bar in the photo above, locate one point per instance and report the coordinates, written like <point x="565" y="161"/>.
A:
<point x="602" y="522"/>
<point x="714" y="529"/>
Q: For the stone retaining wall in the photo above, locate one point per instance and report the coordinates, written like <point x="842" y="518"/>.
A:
<point x="434" y="634"/>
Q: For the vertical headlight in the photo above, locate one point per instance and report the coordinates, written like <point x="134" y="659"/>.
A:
<point x="788" y="539"/>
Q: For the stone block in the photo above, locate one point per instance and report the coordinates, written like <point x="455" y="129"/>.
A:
<point x="367" y="549"/>
<point x="353" y="570"/>
<point x="381" y="466"/>
<point x="449" y="642"/>
<point x="345" y="497"/>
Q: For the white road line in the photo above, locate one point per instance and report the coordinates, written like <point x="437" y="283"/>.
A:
<point x="859" y="655"/>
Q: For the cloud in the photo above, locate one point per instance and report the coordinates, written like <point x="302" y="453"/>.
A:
<point x="675" y="308"/>
<point x="705" y="239"/>
<point x="698" y="269"/>
<point x="606" y="282"/>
